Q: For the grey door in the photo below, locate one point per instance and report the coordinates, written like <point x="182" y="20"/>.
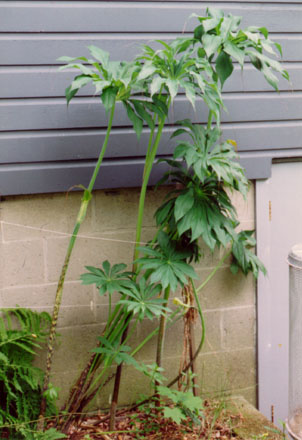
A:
<point x="279" y="227"/>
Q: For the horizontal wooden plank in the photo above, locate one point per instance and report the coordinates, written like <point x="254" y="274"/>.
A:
<point x="29" y="147"/>
<point x="44" y="49"/>
<point x="58" y="177"/>
<point x="88" y="16"/>
<point x="61" y="176"/>
<point x="41" y="114"/>
<point x="35" y="82"/>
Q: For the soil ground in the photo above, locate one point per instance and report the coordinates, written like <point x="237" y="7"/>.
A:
<point x="219" y="421"/>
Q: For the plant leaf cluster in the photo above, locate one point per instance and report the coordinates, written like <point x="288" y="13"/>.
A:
<point x="222" y="42"/>
<point x="243" y="256"/>
<point x="22" y="332"/>
<point x="116" y="81"/>
<point x="177" y="67"/>
<point x="185" y="405"/>
<point x="204" y="168"/>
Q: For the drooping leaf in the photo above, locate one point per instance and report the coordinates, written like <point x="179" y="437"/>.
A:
<point x="134" y="118"/>
<point x="142" y="112"/>
<point x="183" y="204"/>
<point x="234" y="51"/>
<point x="108" y="97"/>
<point x="224" y="67"/>
<point x="69" y="93"/>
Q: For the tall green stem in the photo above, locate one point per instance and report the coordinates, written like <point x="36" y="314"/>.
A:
<point x="161" y="332"/>
<point x="58" y="298"/>
<point x="147" y="171"/>
<point x="150" y="157"/>
<point x="210" y="117"/>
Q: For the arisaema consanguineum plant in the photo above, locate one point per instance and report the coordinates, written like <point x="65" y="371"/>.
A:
<point x="205" y="170"/>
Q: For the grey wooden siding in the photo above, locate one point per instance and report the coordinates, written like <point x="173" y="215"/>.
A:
<point x="46" y="147"/>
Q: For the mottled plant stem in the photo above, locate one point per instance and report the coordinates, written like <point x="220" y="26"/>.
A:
<point x="161" y="332"/>
<point x="146" y="175"/>
<point x="58" y="298"/>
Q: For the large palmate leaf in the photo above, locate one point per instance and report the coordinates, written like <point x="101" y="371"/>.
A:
<point x="207" y="159"/>
<point x="166" y="263"/>
<point x="115" y="352"/>
<point x="185" y="405"/>
<point x="142" y="299"/>
<point x="202" y="209"/>
<point x="108" y="279"/>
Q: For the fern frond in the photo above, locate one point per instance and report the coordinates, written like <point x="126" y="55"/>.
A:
<point x="22" y="331"/>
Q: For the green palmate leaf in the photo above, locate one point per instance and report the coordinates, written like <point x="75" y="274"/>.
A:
<point x="175" y="414"/>
<point x="142" y="299"/>
<point x="134" y="118"/>
<point x="115" y="352"/>
<point x="153" y="371"/>
<point x="185" y="402"/>
<point x="109" y="279"/>
<point x="167" y="266"/>
<point x="224" y="66"/>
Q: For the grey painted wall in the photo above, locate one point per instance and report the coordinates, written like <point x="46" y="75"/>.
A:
<point x="45" y="147"/>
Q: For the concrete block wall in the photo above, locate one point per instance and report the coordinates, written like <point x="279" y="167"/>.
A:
<point x="33" y="244"/>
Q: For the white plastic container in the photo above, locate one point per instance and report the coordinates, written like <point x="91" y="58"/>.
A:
<point x="294" y="421"/>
